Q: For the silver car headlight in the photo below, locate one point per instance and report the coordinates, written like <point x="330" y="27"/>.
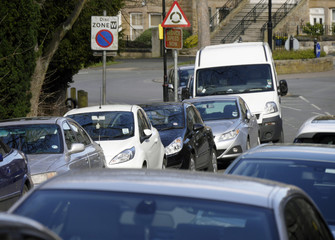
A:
<point x="41" y="177"/>
<point x="270" y="107"/>
<point x="229" y="135"/>
<point x="124" y="156"/>
<point x="174" y="147"/>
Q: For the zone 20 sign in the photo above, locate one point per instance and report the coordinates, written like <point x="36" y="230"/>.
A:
<point x="104" y="33"/>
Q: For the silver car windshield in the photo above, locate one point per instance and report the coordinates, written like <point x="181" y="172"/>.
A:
<point x="234" y="79"/>
<point x="316" y="178"/>
<point x="114" y="215"/>
<point x="102" y="126"/>
<point x="33" y="139"/>
<point x="217" y="110"/>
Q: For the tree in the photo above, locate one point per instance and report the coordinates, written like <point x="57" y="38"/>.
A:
<point x="46" y="42"/>
<point x="203" y="16"/>
<point x="19" y="24"/>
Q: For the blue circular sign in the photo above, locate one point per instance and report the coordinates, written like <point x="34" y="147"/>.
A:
<point x="318" y="50"/>
<point x="104" y="38"/>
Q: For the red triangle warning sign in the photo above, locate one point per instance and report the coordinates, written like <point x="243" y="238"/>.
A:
<point x="175" y="17"/>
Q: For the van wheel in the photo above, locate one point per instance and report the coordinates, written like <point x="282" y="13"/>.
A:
<point x="281" y="138"/>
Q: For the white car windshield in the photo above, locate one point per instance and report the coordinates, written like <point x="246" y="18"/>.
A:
<point x="112" y="125"/>
<point x="234" y="79"/>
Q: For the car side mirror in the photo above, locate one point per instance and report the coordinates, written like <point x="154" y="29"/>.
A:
<point x="147" y="134"/>
<point x="197" y="127"/>
<point x="283" y="87"/>
<point x="76" y="148"/>
<point x="248" y="115"/>
<point x="185" y="93"/>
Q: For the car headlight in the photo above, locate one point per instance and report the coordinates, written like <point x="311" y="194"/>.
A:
<point x="270" y="107"/>
<point x="174" y="147"/>
<point x="229" y="135"/>
<point x="124" y="156"/>
<point x="39" y="178"/>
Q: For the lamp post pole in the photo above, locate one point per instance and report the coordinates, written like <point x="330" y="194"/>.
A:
<point x="165" y="83"/>
<point x="270" y="26"/>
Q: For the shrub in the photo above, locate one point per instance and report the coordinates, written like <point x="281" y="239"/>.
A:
<point x="145" y="37"/>
<point x="191" y="41"/>
<point x="313" y="30"/>
<point x="281" y="54"/>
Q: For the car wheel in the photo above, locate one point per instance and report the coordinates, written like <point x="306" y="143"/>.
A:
<point x="213" y="163"/>
<point x="191" y="165"/>
<point x="144" y="165"/>
<point x="258" y="140"/>
<point x="281" y="138"/>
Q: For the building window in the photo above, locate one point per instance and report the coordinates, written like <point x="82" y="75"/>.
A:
<point x="316" y="15"/>
<point x="333" y="16"/>
<point x="136" y="25"/>
<point x="154" y="19"/>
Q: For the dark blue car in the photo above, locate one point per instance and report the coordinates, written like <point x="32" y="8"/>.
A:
<point x="188" y="142"/>
<point x="14" y="176"/>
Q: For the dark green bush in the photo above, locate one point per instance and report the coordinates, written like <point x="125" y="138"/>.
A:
<point x="313" y="30"/>
<point x="299" y="54"/>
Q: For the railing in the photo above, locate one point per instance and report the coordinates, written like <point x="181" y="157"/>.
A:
<point x="280" y="14"/>
<point x="245" y="22"/>
<point x="222" y="13"/>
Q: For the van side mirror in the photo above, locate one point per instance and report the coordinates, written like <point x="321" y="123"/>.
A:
<point x="248" y="115"/>
<point x="283" y="87"/>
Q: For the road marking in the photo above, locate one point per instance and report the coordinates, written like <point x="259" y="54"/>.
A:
<point x="327" y="113"/>
<point x="316" y="107"/>
<point x="316" y="113"/>
<point x="296" y="109"/>
<point x="301" y="97"/>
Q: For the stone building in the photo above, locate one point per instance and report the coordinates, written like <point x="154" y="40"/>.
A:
<point x="139" y="15"/>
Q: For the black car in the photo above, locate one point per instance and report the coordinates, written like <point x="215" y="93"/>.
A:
<point x="14" y="175"/>
<point x="188" y="142"/>
<point x="184" y="74"/>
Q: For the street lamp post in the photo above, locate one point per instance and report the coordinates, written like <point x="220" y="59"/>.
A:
<point x="165" y="83"/>
<point x="270" y="26"/>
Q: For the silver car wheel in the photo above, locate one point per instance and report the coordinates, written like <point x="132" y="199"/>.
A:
<point x="192" y="163"/>
<point x="214" y="162"/>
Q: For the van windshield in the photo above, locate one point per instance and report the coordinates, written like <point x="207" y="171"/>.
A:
<point x="234" y="80"/>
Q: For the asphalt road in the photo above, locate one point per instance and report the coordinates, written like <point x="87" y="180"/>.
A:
<point x="137" y="81"/>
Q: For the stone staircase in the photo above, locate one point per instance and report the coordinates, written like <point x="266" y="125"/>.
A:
<point x="253" y="32"/>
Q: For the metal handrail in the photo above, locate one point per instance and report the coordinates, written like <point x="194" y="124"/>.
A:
<point x="222" y="13"/>
<point x="281" y="13"/>
<point x="245" y="22"/>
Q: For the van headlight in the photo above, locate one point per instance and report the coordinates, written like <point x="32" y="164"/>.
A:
<point x="41" y="177"/>
<point x="124" y="156"/>
<point x="174" y="147"/>
<point x="270" y="107"/>
<point x="229" y="135"/>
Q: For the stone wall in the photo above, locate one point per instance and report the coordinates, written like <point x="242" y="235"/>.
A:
<point x="304" y="65"/>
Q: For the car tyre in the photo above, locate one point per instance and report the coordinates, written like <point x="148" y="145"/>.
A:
<point x="248" y="146"/>
<point x="281" y="138"/>
<point x="25" y="189"/>
<point x="213" y="163"/>
<point x="164" y="162"/>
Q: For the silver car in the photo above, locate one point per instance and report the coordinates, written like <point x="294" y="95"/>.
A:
<point x="52" y="144"/>
<point x="234" y="127"/>
<point x="317" y="129"/>
<point x="171" y="204"/>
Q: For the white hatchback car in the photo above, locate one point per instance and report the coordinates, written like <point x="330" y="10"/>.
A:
<point x="125" y="134"/>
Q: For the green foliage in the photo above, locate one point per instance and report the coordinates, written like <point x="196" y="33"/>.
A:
<point x="19" y="24"/>
<point x="145" y="37"/>
<point x="299" y="54"/>
<point x="313" y="30"/>
<point x="191" y="41"/>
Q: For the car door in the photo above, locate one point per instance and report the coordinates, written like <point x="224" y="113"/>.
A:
<point x="77" y="160"/>
<point x="151" y="145"/>
<point x="251" y="123"/>
<point x="93" y="154"/>
<point x="198" y="137"/>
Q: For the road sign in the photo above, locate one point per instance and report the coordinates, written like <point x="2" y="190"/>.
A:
<point x="104" y="33"/>
<point x="175" y="17"/>
<point x="173" y="38"/>
<point x="317" y="50"/>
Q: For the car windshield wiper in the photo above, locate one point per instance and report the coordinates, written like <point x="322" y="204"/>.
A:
<point x="254" y="89"/>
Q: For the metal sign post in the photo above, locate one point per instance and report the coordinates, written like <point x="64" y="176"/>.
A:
<point x="104" y="37"/>
<point x="176" y="75"/>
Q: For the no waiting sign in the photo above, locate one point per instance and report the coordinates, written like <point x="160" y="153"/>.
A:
<point x="104" y="33"/>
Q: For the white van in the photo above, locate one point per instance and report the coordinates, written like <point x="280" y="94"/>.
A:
<point x="248" y="70"/>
